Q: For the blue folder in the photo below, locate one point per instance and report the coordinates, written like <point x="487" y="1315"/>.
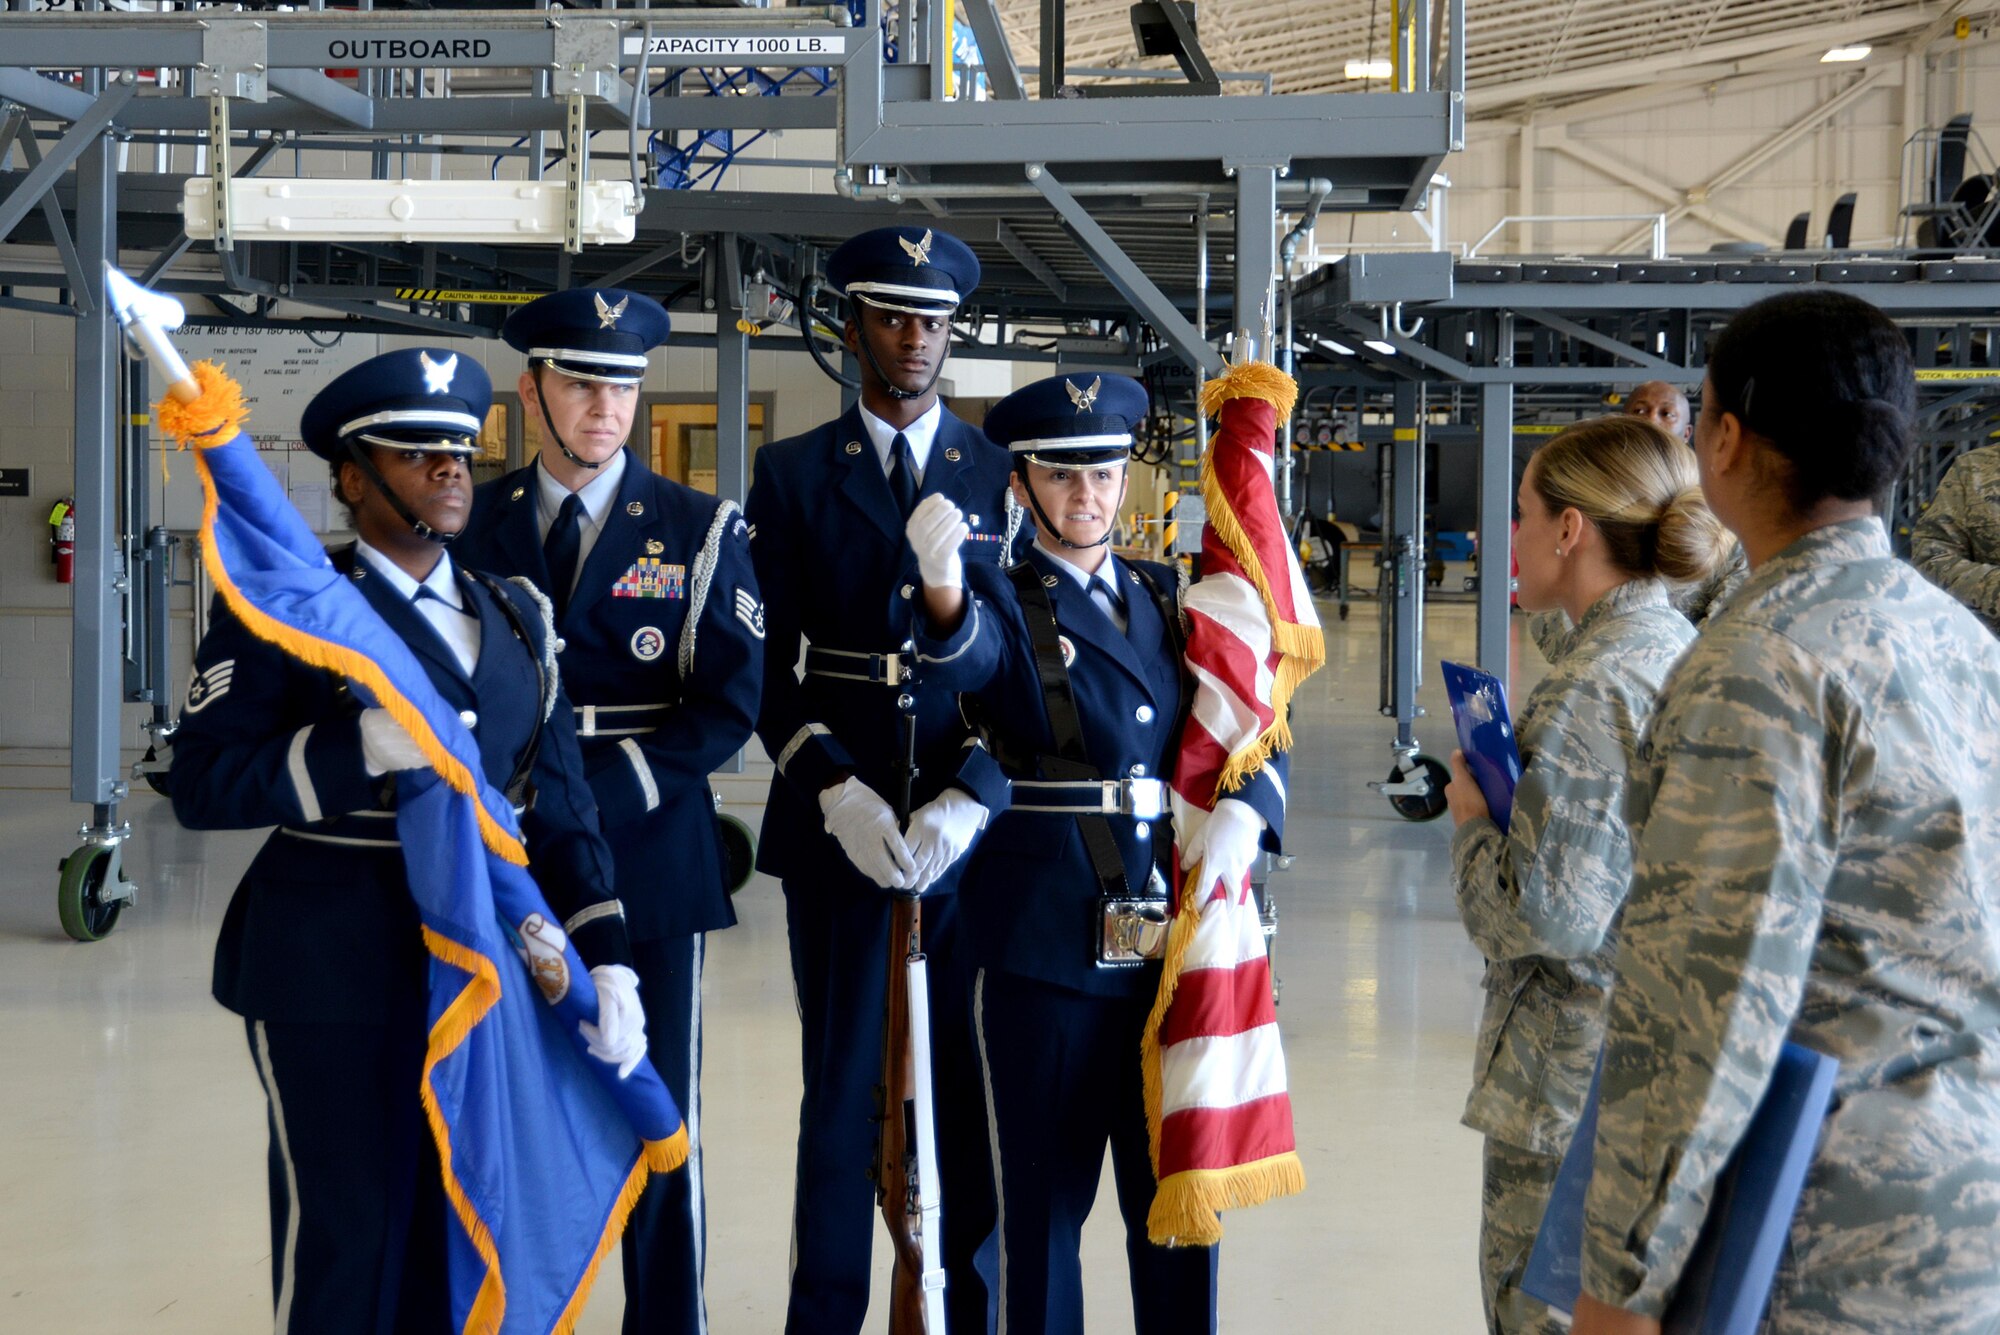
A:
<point x="1485" y="734"/>
<point x="1727" y="1281"/>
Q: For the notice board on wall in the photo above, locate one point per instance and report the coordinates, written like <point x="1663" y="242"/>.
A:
<point x="280" y="371"/>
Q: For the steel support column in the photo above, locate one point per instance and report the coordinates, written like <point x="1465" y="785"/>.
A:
<point x="1256" y="253"/>
<point x="1403" y="553"/>
<point x="732" y="377"/>
<point x="97" y="647"/>
<point x="1496" y="483"/>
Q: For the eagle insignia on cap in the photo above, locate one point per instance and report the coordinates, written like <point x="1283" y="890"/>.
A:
<point x="1084" y="399"/>
<point x="918" y="251"/>
<point x="437" y="375"/>
<point x="607" y="315"/>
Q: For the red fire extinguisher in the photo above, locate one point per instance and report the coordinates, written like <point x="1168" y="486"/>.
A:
<point x="62" y="540"/>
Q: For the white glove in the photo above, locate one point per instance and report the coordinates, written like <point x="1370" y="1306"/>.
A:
<point x="940" y="832"/>
<point x="1227" y="843"/>
<point x="867" y="832"/>
<point x="936" y="531"/>
<point x="385" y="746"/>
<point x="620" y="1032"/>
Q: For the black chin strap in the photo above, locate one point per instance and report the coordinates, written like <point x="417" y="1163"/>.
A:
<point x="403" y="512"/>
<point x="542" y="402"/>
<point x="1048" y="525"/>
<point x="904" y="394"/>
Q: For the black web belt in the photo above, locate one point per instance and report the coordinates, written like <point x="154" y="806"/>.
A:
<point x="897" y="669"/>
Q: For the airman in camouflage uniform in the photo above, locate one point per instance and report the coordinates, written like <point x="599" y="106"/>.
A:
<point x="1539" y="901"/>
<point x="1815" y="817"/>
<point x="1957" y="542"/>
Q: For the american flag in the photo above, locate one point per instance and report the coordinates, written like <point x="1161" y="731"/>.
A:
<point x="1216" y="1097"/>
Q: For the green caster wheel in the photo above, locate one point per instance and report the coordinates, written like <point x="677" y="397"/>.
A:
<point x="739" y="851"/>
<point x="93" y="892"/>
<point x="1426" y="806"/>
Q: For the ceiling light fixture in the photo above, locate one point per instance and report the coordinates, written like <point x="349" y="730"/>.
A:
<point x="1845" y="55"/>
<point x="1370" y="69"/>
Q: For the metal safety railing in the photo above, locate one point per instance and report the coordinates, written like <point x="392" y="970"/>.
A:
<point x="1659" y="230"/>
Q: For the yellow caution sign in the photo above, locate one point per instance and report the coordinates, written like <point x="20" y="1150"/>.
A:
<point x="1949" y="375"/>
<point x="470" y="297"/>
<point x="1539" y="428"/>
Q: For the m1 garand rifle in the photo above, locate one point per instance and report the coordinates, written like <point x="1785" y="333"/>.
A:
<point x="906" y="1178"/>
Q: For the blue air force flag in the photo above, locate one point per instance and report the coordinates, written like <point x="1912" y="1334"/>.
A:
<point x="544" y="1149"/>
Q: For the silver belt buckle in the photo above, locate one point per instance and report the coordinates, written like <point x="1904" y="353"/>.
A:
<point x="894" y="673"/>
<point x="1147" y="798"/>
<point x="589" y="726"/>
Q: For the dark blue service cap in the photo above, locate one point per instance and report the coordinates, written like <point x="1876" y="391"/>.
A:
<point x="414" y="399"/>
<point x="911" y="269"/>
<point x="1064" y="421"/>
<point x="592" y="333"/>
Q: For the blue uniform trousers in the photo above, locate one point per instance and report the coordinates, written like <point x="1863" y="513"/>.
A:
<point x="1061" y="1069"/>
<point x="665" y="1242"/>
<point x="357" y="1196"/>
<point x="840" y="961"/>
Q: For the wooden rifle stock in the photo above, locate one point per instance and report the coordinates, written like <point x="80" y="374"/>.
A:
<point x="898" y="1183"/>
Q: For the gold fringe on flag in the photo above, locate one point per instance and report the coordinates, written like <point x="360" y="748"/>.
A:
<point x="1302" y="648"/>
<point x="213" y="418"/>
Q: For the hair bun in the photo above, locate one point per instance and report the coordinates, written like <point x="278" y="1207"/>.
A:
<point x="1688" y="540"/>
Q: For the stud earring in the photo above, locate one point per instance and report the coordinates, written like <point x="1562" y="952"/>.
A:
<point x="1561" y="552"/>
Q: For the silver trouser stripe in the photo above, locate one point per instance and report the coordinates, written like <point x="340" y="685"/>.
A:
<point x="799" y="739"/>
<point x="610" y="908"/>
<point x="970" y="640"/>
<point x="993" y="1138"/>
<point x="643" y="771"/>
<point x="1144" y="798"/>
<point x="288" y="1272"/>
<point x="346" y="840"/>
<point x="302" y="783"/>
<point x="588" y="716"/>
<point x="697" y="1196"/>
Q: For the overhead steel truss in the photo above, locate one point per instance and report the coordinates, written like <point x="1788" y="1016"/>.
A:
<point x="1085" y="211"/>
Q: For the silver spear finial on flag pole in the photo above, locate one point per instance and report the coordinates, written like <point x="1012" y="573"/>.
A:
<point x="146" y="316"/>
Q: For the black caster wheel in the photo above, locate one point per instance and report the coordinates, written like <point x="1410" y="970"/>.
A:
<point x="739" y="851"/>
<point x="1432" y="804"/>
<point x="1343" y="611"/>
<point x="86" y="876"/>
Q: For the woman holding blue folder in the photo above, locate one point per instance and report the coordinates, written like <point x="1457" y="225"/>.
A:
<point x="1611" y="513"/>
<point x="1816" y="857"/>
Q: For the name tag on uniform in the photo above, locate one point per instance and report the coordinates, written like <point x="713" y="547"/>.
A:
<point x="650" y="577"/>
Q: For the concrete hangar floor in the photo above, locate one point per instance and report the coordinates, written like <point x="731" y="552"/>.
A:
<point x="132" y="1182"/>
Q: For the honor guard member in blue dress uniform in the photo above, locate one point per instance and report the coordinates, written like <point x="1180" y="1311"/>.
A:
<point x="663" y="636"/>
<point x="320" y="950"/>
<point x="1073" y="663"/>
<point x="828" y="509"/>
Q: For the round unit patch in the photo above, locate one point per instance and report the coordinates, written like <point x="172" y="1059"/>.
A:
<point x="648" y="643"/>
<point x="1068" y="650"/>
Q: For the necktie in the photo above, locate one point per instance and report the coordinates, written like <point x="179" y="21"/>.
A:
<point x="559" y="549"/>
<point x="1108" y="603"/>
<point x="902" y="474"/>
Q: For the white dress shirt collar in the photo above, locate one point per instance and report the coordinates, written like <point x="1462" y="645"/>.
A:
<point x="596" y="494"/>
<point x="921" y="434"/>
<point x="440" y="581"/>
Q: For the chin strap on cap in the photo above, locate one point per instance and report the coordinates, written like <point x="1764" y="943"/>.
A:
<point x="403" y="512"/>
